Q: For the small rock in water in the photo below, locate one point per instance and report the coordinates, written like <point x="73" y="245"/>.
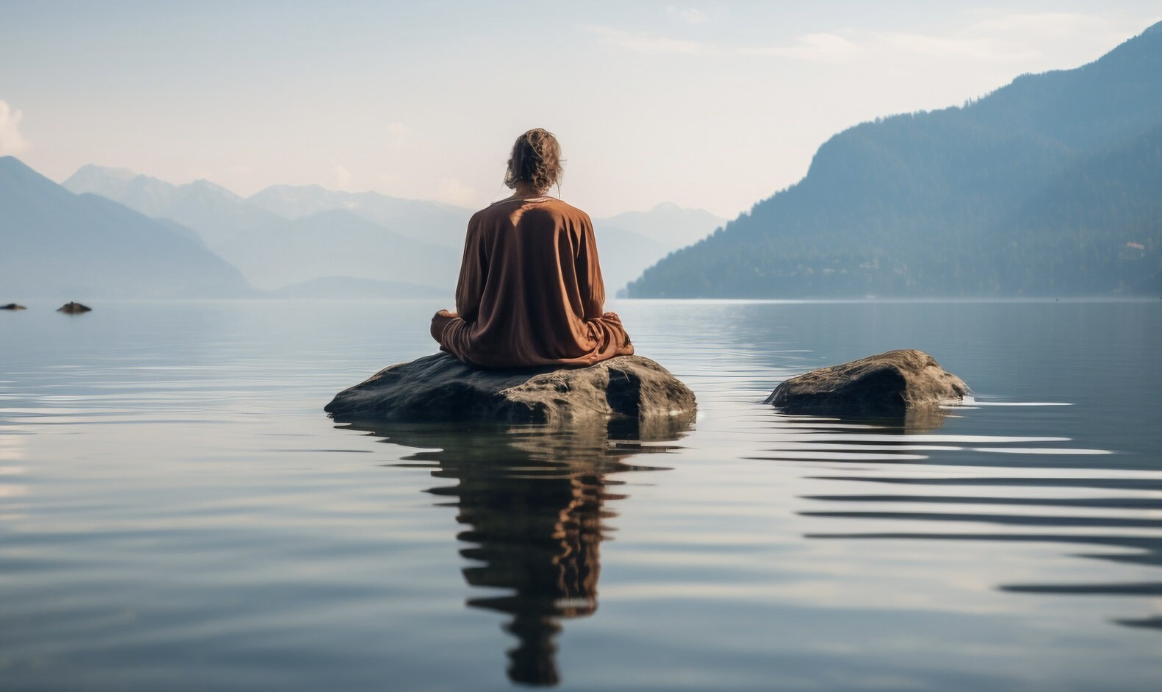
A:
<point x="74" y="308"/>
<point x="12" y="306"/>
<point x="890" y="383"/>
<point x="441" y="388"/>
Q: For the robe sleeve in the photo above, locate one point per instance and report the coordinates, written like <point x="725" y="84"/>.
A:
<point x="588" y="270"/>
<point x="473" y="273"/>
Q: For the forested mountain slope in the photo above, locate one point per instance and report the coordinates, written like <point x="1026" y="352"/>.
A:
<point x="1048" y="186"/>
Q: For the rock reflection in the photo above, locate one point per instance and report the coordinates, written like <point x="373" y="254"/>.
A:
<point x="535" y="506"/>
<point x="916" y="419"/>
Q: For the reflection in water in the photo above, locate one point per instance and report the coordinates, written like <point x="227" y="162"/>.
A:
<point x="1125" y="524"/>
<point x="914" y="419"/>
<point x="535" y="506"/>
<point x="164" y="526"/>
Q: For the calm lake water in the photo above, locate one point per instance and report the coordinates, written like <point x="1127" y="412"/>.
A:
<point x="177" y="512"/>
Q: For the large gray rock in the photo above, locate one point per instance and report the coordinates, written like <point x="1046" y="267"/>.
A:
<point x="886" y="384"/>
<point x="441" y="388"/>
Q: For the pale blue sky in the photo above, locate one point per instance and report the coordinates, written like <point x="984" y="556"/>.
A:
<point x="712" y="105"/>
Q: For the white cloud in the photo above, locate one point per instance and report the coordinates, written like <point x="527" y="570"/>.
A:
<point x="988" y="37"/>
<point x="1060" y="28"/>
<point x="820" y="47"/>
<point x="11" y="141"/>
<point x="340" y="177"/>
<point x="1016" y="37"/>
<point x="1054" y="24"/>
<point x="649" y="43"/>
<point x="978" y="48"/>
<point x="453" y="191"/>
<point x="398" y="134"/>
<point x="690" y="15"/>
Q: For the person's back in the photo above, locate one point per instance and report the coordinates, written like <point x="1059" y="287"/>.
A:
<point x="530" y="291"/>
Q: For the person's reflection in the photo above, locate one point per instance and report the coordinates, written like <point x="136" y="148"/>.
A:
<point x="534" y="504"/>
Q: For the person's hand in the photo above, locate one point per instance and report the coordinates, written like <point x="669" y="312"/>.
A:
<point x="439" y="321"/>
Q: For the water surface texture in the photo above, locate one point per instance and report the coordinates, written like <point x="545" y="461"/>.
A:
<point x="177" y="512"/>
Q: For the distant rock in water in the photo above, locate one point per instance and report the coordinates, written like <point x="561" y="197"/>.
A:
<point x="74" y="308"/>
<point x="441" y="388"/>
<point x="12" y="306"/>
<point x="892" y="383"/>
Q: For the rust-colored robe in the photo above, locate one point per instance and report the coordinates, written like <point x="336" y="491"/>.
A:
<point x="530" y="290"/>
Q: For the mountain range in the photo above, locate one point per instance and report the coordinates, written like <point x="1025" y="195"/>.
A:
<point x="214" y="212"/>
<point x="1048" y="186"/>
<point x="289" y="235"/>
<point x="430" y="222"/>
<point x="336" y="242"/>
<point x="108" y="232"/>
<point x="54" y="243"/>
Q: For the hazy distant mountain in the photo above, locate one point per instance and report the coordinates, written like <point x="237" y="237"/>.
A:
<point x="311" y="233"/>
<point x="625" y="255"/>
<point x="347" y="288"/>
<point x="56" y="244"/>
<point x="629" y="243"/>
<point x="112" y="183"/>
<point x="213" y="211"/>
<point x="1048" y="186"/>
<point x="337" y="243"/>
<point x="430" y="222"/>
<point x="666" y="224"/>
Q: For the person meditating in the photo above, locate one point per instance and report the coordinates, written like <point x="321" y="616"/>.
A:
<point x="530" y="290"/>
